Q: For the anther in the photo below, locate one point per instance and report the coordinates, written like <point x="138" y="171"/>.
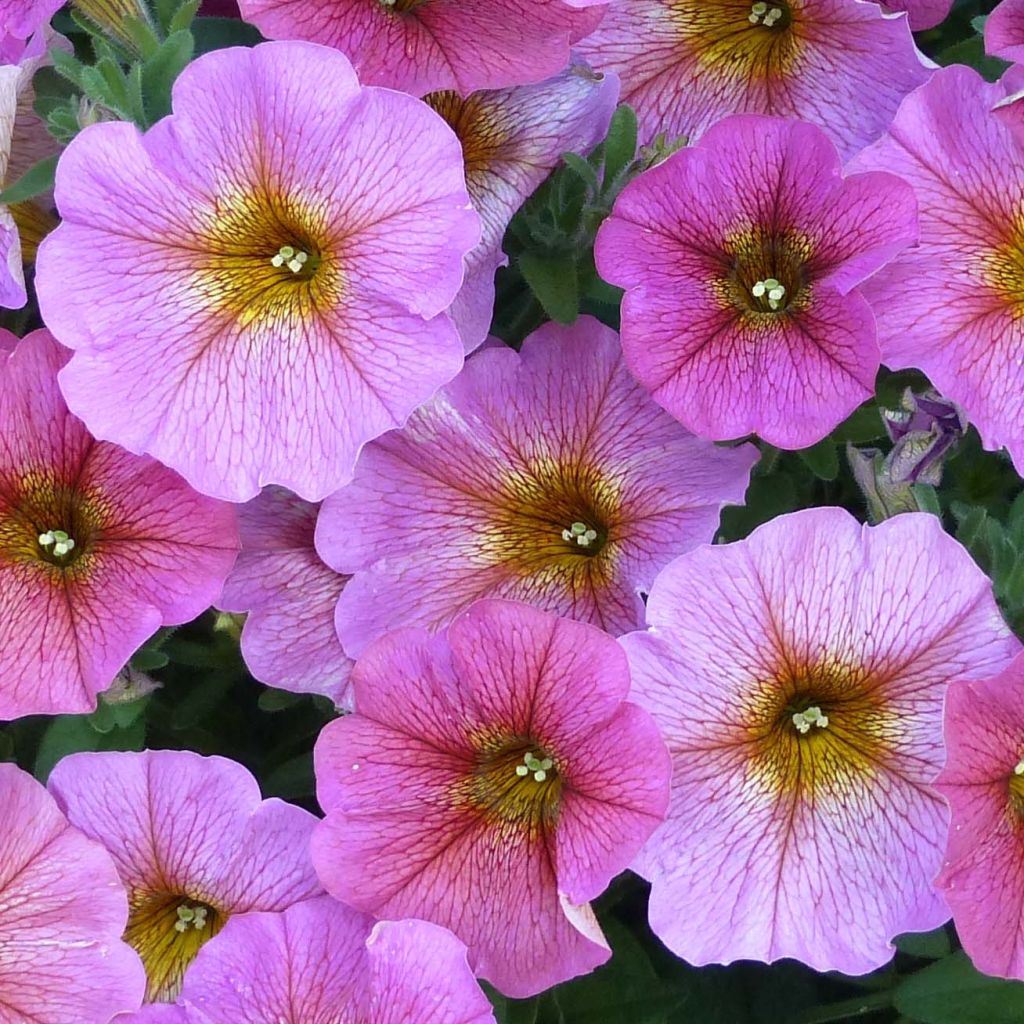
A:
<point x="61" y="543"/>
<point x="770" y="289"/>
<point x="581" y="534"/>
<point x="803" y="720"/>
<point x="290" y="257"/>
<point x="535" y="766"/>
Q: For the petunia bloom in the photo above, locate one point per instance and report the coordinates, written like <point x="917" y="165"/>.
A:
<point x="20" y="19"/>
<point x="952" y="306"/>
<point x="98" y="547"/>
<point x="261" y="278"/>
<point x="1004" y="31"/>
<point x="843" y="65"/>
<point x="288" y="640"/>
<point x="983" y="781"/>
<point x="421" y="46"/>
<point x="319" y="962"/>
<point x="193" y="844"/>
<point x="480" y="785"/>
<point x="61" y="958"/>
<point x="921" y="14"/>
<point x="798" y="677"/>
<point x="24" y="141"/>
<point x="512" y="484"/>
<point x="511" y="140"/>
<point x="741" y="259"/>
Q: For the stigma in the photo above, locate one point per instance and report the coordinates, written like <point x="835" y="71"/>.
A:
<point x="580" y="534"/>
<point x="290" y="257"/>
<point x="535" y="766"/>
<point x="762" y="14"/>
<point x="57" y="540"/>
<point x="769" y="289"/>
<point x="194" y="917"/>
<point x="804" y="720"/>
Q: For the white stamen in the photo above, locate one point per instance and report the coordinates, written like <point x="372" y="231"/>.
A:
<point x="803" y="720"/>
<point x="535" y="766"/>
<point x="773" y="289"/>
<point x="762" y="14"/>
<point x="62" y="544"/>
<point x="582" y="534"/>
<point x="290" y="257"/>
<point x="1018" y="768"/>
<point x="194" y="916"/>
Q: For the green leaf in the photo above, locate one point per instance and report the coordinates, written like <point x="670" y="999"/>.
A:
<point x="161" y="70"/>
<point x="512" y="1011"/>
<point x="627" y="988"/>
<point x="822" y="459"/>
<point x="149" y="659"/>
<point x="67" y="65"/>
<point x="272" y="700"/>
<point x="931" y="945"/>
<point x="219" y="33"/>
<point x="620" y="143"/>
<point x="927" y="499"/>
<point x="972" y="53"/>
<point x="69" y="734"/>
<point x="183" y="17"/>
<point x="552" y="278"/>
<point x="35" y="181"/>
<point x="951" y="991"/>
<point x="584" y="170"/>
<point x="862" y="426"/>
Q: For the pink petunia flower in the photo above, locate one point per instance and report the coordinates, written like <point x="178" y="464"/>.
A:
<point x="24" y="141"/>
<point x="421" y="46"/>
<point x="842" y="65"/>
<point x="193" y="844"/>
<point x="952" y="306"/>
<point x="98" y="548"/>
<point x="511" y="140"/>
<point x="319" y="962"/>
<point x="921" y="14"/>
<point x="983" y="781"/>
<point x="290" y="595"/>
<point x="61" y="958"/>
<point x="19" y="19"/>
<point x="261" y="278"/>
<point x="479" y="785"/>
<point x="1004" y="31"/>
<point x="798" y="677"/>
<point x="741" y="259"/>
<point x="514" y="482"/>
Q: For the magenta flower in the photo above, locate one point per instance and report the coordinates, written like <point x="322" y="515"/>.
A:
<point x="479" y="785"/>
<point x="193" y="844"/>
<point x="741" y="258"/>
<point x="61" y="958"/>
<point x="685" y="64"/>
<point x="798" y="677"/>
<point x="290" y="595"/>
<point x="321" y="963"/>
<point x="19" y="19"/>
<point x="511" y="484"/>
<point x="511" y="140"/>
<point x="952" y="306"/>
<point x="259" y="286"/>
<point x="420" y="46"/>
<point x="24" y="141"/>
<point x="921" y="14"/>
<point x="983" y="781"/>
<point x="1004" y="31"/>
<point x="98" y="548"/>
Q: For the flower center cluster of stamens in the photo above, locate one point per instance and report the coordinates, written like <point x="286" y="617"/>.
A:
<point x="580" y="534"/>
<point x="56" y="543"/>
<point x="803" y="721"/>
<point x="288" y="256"/>
<point x="190" y="916"/>
<point x="769" y="291"/>
<point x="534" y="766"/>
<point x="763" y="14"/>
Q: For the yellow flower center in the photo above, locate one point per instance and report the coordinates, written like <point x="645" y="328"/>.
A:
<point x="167" y="930"/>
